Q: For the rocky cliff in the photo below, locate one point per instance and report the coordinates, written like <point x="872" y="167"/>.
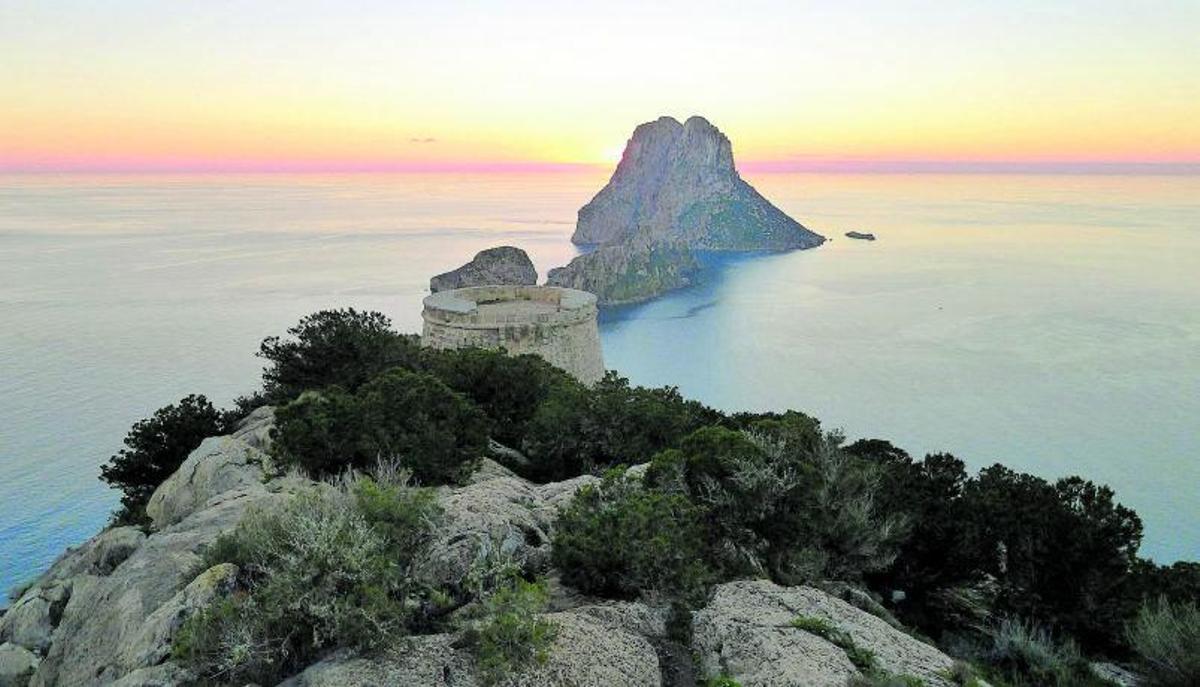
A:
<point x="107" y="612"/>
<point x="629" y="272"/>
<point x="678" y="182"/>
<point x="675" y="191"/>
<point x="502" y="265"/>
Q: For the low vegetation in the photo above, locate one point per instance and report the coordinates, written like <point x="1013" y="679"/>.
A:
<point x="1166" y="638"/>
<point x="513" y="636"/>
<point x="619" y="540"/>
<point x="328" y="570"/>
<point x="724" y="496"/>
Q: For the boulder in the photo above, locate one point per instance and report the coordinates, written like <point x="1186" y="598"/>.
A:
<point x="32" y="619"/>
<point x="504" y="512"/>
<point x="162" y="675"/>
<point x="117" y="624"/>
<point x="586" y="653"/>
<point x="153" y="642"/>
<point x="99" y="555"/>
<point x="678" y="182"/>
<point x="746" y="632"/>
<point x="16" y="665"/>
<point x="503" y="265"/>
<point x="218" y="465"/>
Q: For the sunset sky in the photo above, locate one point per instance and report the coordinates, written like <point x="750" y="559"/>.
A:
<point x="325" y="85"/>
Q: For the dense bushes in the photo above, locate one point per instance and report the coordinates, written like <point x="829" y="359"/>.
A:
<point x="781" y="500"/>
<point x="508" y="389"/>
<point x="345" y="348"/>
<point x="328" y="570"/>
<point x="1166" y="638"/>
<point x="619" y="540"/>
<point x="155" y="448"/>
<point x="1059" y="553"/>
<point x="576" y="430"/>
<point x="412" y="418"/>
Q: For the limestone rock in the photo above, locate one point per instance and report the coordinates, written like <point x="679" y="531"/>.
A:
<point x="1117" y="675"/>
<point x="217" y="466"/>
<point x="746" y="632"/>
<point x="678" y="181"/>
<point x="107" y="621"/>
<point x="153" y="643"/>
<point x="586" y="653"/>
<point x="99" y="555"/>
<point x="559" y="495"/>
<point x="494" y="266"/>
<point x="32" y="619"/>
<point x="16" y="665"/>
<point x="163" y="675"/>
<point x="629" y="273"/>
<point x="505" y="512"/>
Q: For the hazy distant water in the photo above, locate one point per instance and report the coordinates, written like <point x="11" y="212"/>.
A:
<point x="1052" y="323"/>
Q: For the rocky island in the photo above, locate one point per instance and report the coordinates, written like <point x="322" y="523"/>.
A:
<point x="675" y="191"/>
<point x="860" y="235"/>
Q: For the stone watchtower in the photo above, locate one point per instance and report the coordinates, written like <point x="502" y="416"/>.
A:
<point x="556" y="323"/>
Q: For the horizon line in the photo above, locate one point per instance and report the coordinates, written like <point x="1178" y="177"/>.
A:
<point x="794" y="165"/>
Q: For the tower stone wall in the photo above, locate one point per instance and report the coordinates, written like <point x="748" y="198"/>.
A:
<point x="558" y="324"/>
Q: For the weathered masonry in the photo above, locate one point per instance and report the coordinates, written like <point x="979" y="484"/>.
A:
<point x="556" y="323"/>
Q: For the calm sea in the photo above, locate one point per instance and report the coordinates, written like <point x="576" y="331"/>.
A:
<point x="1048" y="322"/>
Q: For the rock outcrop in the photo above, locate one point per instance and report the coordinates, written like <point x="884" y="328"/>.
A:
<point x="587" y="652"/>
<point x="675" y="191"/>
<point x="499" y="512"/>
<point x="107" y="611"/>
<point x="218" y="466"/>
<point x="628" y="273"/>
<point x="503" y="265"/>
<point x="746" y="631"/>
<point x="678" y="182"/>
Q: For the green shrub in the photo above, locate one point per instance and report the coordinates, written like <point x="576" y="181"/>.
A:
<point x="317" y="574"/>
<point x="577" y="430"/>
<point x="1166" y="638"/>
<point x="345" y="348"/>
<point x="781" y="502"/>
<point x="508" y="389"/>
<point x="722" y="680"/>
<point x="320" y="432"/>
<point x="412" y="418"/>
<point x="513" y="635"/>
<point x="862" y="658"/>
<point x="1024" y="655"/>
<point x="621" y="540"/>
<point x="431" y="430"/>
<point x="155" y="447"/>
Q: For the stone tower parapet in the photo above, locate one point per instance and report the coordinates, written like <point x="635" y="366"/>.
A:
<point x="559" y="324"/>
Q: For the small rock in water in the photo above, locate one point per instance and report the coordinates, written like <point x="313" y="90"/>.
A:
<point x="861" y="235"/>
